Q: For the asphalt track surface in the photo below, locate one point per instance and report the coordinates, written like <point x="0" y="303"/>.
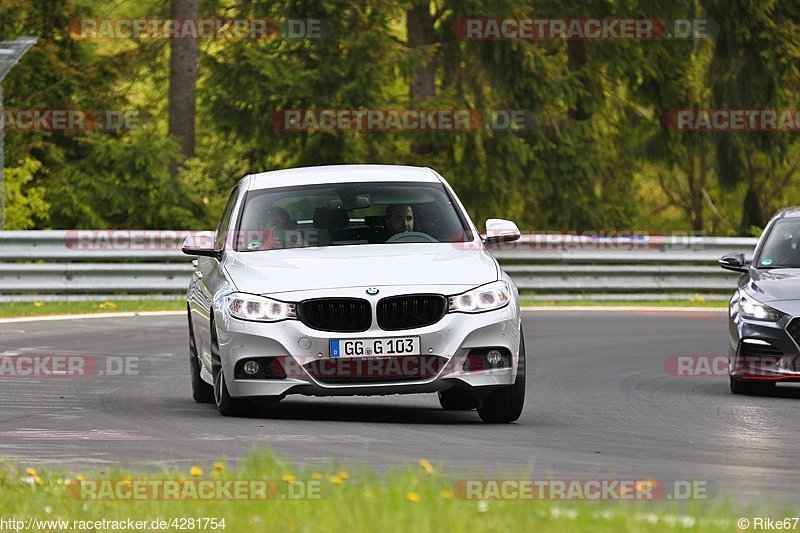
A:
<point x="600" y="405"/>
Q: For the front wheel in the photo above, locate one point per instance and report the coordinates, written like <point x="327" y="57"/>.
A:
<point x="226" y="405"/>
<point x="505" y="403"/>
<point x="202" y="392"/>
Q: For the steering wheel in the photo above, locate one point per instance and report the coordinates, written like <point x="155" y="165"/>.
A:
<point x="410" y="236"/>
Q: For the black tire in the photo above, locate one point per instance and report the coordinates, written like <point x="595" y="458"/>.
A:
<point x="202" y="392"/>
<point x="751" y="388"/>
<point x="456" y="399"/>
<point x="226" y="405"/>
<point x="504" y="404"/>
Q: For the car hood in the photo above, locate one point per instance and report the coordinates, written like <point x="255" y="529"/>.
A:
<point x="776" y="285"/>
<point x="276" y="271"/>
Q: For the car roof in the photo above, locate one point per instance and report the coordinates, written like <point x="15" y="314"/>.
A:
<point x="338" y="174"/>
<point x="788" y="212"/>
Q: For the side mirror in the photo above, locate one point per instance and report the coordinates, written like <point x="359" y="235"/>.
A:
<point x="733" y="262"/>
<point x="499" y="230"/>
<point x="201" y="243"/>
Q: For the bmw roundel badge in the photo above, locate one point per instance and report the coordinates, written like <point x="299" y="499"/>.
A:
<point x="372" y="291"/>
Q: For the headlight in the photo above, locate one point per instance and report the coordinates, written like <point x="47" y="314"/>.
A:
<point x="750" y="308"/>
<point x="485" y="298"/>
<point x="252" y="307"/>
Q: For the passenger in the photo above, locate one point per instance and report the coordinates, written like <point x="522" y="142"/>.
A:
<point x="272" y="231"/>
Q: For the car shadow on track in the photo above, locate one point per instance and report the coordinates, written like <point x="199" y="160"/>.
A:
<point x="782" y="392"/>
<point x="349" y="412"/>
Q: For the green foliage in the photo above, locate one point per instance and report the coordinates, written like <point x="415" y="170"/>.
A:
<point x="25" y="205"/>
<point x="594" y="154"/>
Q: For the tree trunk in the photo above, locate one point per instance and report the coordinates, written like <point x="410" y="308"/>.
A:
<point x="578" y="61"/>
<point x="419" y="26"/>
<point x="752" y="213"/>
<point x="182" y="81"/>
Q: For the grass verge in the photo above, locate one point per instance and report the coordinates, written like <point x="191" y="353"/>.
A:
<point x="409" y="499"/>
<point x="21" y="309"/>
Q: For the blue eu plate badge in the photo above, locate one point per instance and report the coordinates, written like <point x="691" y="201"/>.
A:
<point x="335" y="348"/>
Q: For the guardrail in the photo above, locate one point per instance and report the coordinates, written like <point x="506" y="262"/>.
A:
<point x="46" y="265"/>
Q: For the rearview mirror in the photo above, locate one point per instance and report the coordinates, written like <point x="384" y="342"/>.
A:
<point x="201" y="243"/>
<point x="733" y="262"/>
<point x="499" y="230"/>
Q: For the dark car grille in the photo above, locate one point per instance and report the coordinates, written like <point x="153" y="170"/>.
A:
<point x="336" y="314"/>
<point x="377" y="369"/>
<point x="411" y="311"/>
<point x="794" y="329"/>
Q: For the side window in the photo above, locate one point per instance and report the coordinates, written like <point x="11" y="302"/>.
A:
<point x="225" y="221"/>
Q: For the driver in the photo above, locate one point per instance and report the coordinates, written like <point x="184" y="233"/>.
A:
<point x="399" y="219"/>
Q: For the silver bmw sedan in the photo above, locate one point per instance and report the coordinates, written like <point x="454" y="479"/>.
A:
<point x="353" y="280"/>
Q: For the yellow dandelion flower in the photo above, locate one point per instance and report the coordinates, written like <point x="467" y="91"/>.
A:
<point x="344" y="475"/>
<point x="38" y="304"/>
<point x="79" y="478"/>
<point x="196" y="471"/>
<point x="219" y="465"/>
<point x="110" y="305"/>
<point x="30" y="471"/>
<point x="426" y="466"/>
<point x="336" y="480"/>
<point x="446" y="494"/>
<point x="289" y="478"/>
<point x="38" y="480"/>
<point x="413" y="497"/>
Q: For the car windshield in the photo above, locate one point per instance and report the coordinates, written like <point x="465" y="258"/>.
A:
<point x="782" y="247"/>
<point x="349" y="214"/>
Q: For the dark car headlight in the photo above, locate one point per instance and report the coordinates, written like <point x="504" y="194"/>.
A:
<point x="753" y="309"/>
<point x="484" y="298"/>
<point x="259" y="308"/>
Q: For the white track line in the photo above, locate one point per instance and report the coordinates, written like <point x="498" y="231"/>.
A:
<point x="89" y="315"/>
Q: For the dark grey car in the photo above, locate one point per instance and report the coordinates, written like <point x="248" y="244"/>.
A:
<point x="764" y="314"/>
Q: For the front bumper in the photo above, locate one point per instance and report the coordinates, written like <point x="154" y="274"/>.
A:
<point x="764" y="351"/>
<point x="299" y="348"/>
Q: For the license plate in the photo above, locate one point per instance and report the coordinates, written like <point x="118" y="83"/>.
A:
<point x="374" y="347"/>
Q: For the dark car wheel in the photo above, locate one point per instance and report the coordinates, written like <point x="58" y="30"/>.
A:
<point x="751" y="388"/>
<point x="456" y="399"/>
<point x="202" y="392"/>
<point x="505" y="403"/>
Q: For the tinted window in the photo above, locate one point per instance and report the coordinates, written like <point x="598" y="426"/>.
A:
<point x="782" y="247"/>
<point x="349" y="214"/>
